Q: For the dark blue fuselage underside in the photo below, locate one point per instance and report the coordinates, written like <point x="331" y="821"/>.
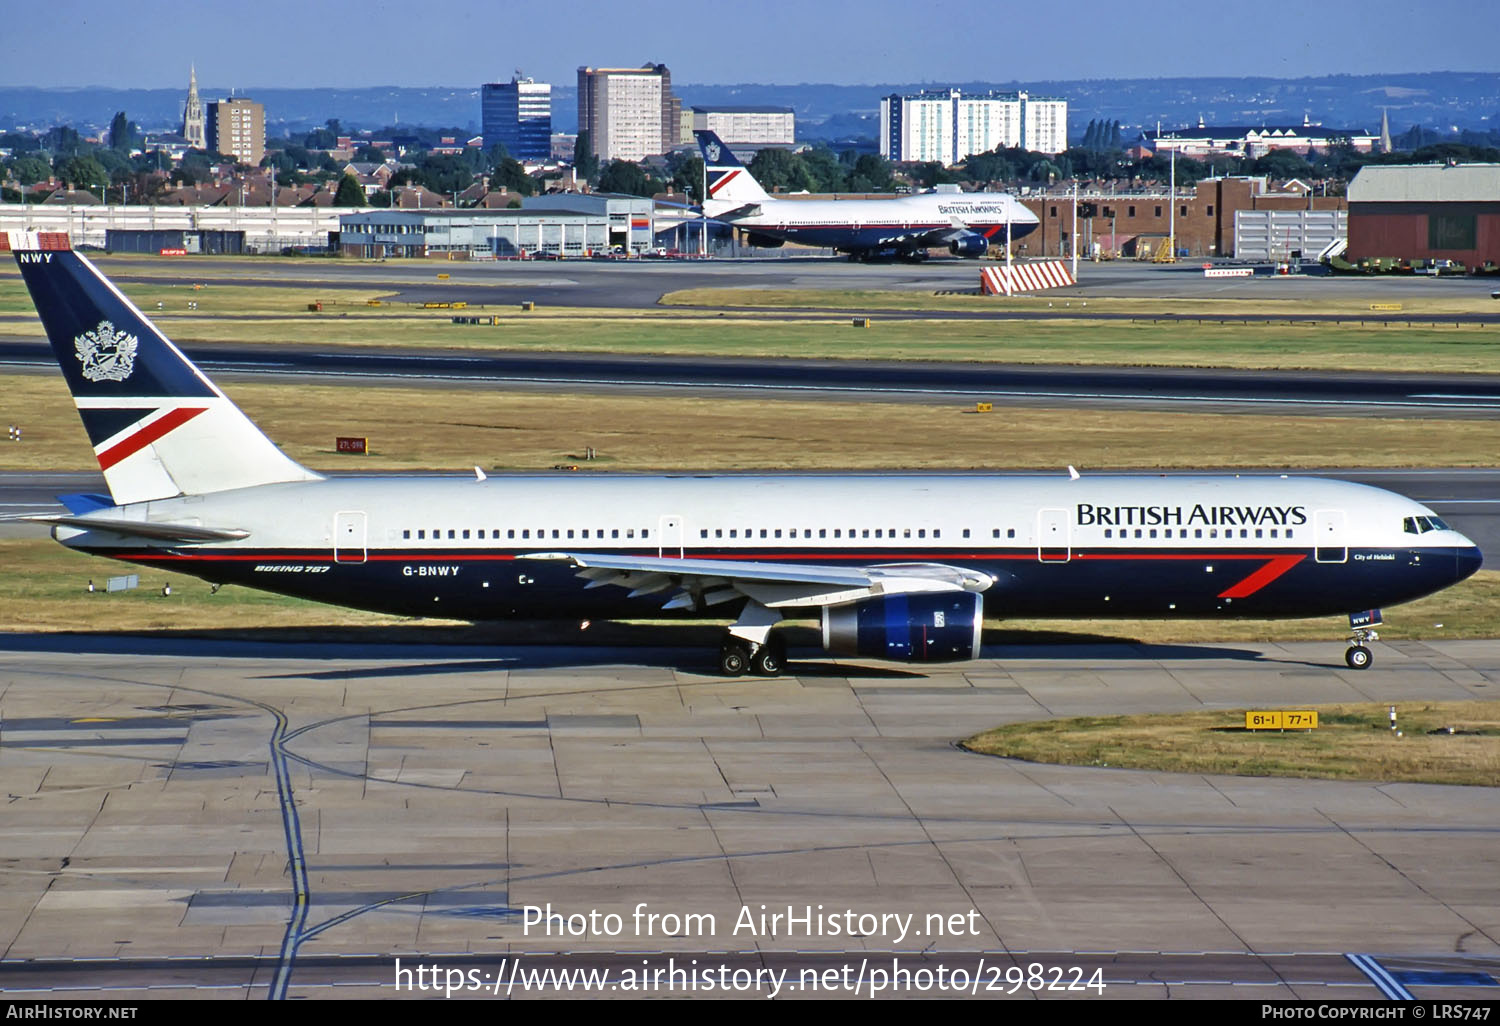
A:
<point x="492" y="584"/>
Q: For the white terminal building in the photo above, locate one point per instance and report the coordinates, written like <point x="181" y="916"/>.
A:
<point x="948" y="126"/>
<point x="758" y="126"/>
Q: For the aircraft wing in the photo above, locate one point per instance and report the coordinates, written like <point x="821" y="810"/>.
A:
<point x="700" y="583"/>
<point x="942" y="236"/>
<point x="735" y="213"/>
<point x="930" y="237"/>
<point x="153" y="530"/>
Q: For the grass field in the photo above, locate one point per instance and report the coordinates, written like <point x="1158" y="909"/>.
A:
<point x="1352" y="742"/>
<point x="905" y="299"/>
<point x="435" y="428"/>
<point x="272" y="314"/>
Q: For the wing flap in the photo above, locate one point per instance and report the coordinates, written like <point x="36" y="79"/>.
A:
<point x="699" y="583"/>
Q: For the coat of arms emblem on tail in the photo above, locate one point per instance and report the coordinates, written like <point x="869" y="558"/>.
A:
<point x="106" y="354"/>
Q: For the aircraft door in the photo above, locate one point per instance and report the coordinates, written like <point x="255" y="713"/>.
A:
<point x="669" y="537"/>
<point x="349" y="537"/>
<point x="1331" y="546"/>
<point x="1053" y="536"/>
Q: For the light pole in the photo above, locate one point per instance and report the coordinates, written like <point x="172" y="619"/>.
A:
<point x="1172" y="208"/>
<point x="1075" y="230"/>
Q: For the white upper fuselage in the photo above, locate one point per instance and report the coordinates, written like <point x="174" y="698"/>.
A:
<point x="875" y="220"/>
<point x="895" y="514"/>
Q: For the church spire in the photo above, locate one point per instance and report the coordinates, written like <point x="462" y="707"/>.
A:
<point x="193" y="128"/>
<point x="1385" y="130"/>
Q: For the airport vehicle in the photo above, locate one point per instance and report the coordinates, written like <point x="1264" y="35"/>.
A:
<point x="904" y="227"/>
<point x="896" y="567"/>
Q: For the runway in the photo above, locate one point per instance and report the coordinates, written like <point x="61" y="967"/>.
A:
<point x="252" y="819"/>
<point x="1358" y="393"/>
<point x="641" y="283"/>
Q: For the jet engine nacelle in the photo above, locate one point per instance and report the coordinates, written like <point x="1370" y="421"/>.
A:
<point x="764" y="241"/>
<point x="926" y="627"/>
<point x="969" y="246"/>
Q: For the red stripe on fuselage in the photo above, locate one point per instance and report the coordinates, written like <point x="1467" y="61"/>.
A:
<point x="148" y="434"/>
<point x="1273" y="569"/>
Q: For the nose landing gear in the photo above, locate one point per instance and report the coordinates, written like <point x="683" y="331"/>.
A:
<point x="1361" y="630"/>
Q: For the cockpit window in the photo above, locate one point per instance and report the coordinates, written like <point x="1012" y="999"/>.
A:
<point x="1421" y="525"/>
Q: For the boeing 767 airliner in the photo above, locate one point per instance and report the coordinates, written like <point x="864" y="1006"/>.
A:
<point x="897" y="567"/>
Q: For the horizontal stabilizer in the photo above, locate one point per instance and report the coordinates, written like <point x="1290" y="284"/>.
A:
<point x="80" y="504"/>
<point x="153" y="530"/>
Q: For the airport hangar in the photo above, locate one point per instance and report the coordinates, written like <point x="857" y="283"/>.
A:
<point x="1426" y="212"/>
<point x="561" y="225"/>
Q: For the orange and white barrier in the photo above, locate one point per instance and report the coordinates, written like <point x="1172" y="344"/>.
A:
<point x="1046" y="274"/>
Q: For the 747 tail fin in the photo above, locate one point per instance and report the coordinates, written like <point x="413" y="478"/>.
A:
<point x="159" y="427"/>
<point x="729" y="181"/>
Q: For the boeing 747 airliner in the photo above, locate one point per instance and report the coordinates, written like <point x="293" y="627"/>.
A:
<point x="897" y="567"/>
<point x="906" y="227"/>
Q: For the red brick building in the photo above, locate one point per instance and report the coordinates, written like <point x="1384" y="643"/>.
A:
<point x="1125" y="220"/>
<point x="1426" y="212"/>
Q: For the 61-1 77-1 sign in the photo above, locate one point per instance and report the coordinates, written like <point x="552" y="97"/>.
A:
<point x="1281" y="719"/>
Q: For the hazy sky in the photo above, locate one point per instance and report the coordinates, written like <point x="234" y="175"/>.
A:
<point x="301" y="43"/>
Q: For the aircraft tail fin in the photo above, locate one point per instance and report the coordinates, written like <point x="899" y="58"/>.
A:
<point x="729" y="181"/>
<point x="159" y="426"/>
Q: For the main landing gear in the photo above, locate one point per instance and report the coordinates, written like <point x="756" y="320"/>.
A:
<point x="749" y="646"/>
<point x="739" y="657"/>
